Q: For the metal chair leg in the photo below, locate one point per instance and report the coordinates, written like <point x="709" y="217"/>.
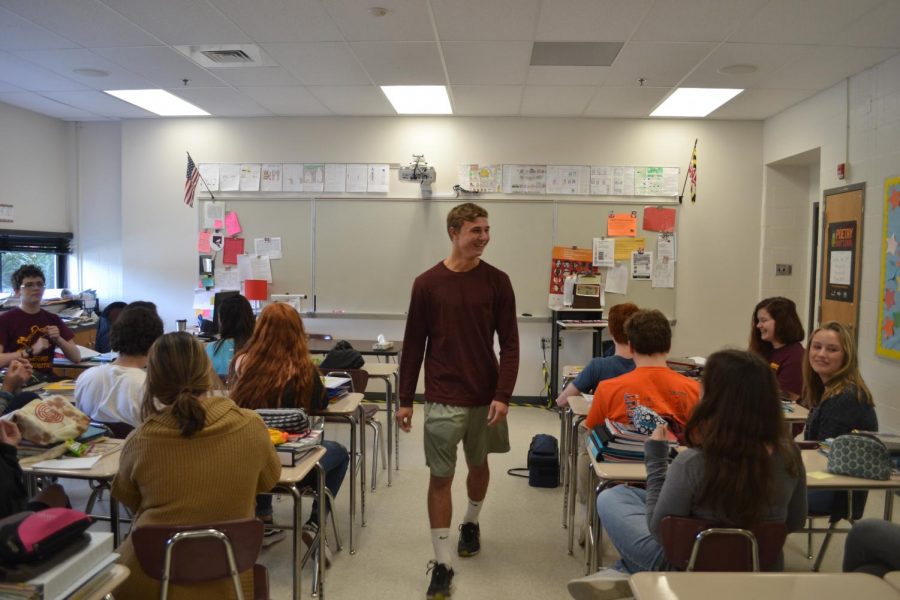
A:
<point x="824" y="547"/>
<point x="809" y="524"/>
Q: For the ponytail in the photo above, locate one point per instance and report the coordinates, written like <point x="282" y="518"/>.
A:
<point x="189" y="413"/>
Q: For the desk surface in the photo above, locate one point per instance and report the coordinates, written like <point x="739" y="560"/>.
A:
<point x="364" y="347"/>
<point x="103" y="584"/>
<point x="346" y="405"/>
<point x="580" y="404"/>
<point x="291" y="475"/>
<point x="377" y="369"/>
<point x="738" y="586"/>
<point x="104" y="469"/>
<point x="893" y="578"/>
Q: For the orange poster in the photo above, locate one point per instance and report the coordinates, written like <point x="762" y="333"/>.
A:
<point x="622" y="224"/>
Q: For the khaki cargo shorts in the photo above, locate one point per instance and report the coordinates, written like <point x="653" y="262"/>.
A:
<point x="446" y="426"/>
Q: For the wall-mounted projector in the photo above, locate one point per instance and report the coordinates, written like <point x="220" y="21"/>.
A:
<point x="418" y="170"/>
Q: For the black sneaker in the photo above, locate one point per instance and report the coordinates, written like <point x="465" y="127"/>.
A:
<point x="441" y="580"/>
<point x="469" y="539"/>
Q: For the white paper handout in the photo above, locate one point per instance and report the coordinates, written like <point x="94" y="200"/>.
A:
<point x="840" y="267"/>
<point x="254" y="267"/>
<point x="68" y="463"/>
<point x="314" y="178"/>
<point x="229" y="177"/>
<point x="604" y="252"/>
<point x="356" y="178"/>
<point x="266" y="246"/>
<point x="214" y="215"/>
<point x="228" y="279"/>
<point x="203" y="299"/>
<point x="250" y="177"/>
<point x="663" y="273"/>
<point x="271" y="178"/>
<point x="378" y="178"/>
<point x="665" y="247"/>
<point x="568" y="179"/>
<point x="335" y="178"/>
<point x="210" y="175"/>
<point x="292" y="177"/>
<point x="617" y="280"/>
<point x="641" y="265"/>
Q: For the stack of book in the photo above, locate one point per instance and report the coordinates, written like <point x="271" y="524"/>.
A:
<point x="292" y="452"/>
<point x="336" y="387"/>
<point x="614" y="442"/>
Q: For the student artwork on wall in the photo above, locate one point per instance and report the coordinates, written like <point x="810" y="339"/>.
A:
<point x="888" y="337"/>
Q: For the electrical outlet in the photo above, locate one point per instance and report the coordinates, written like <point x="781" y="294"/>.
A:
<point x="782" y="270"/>
<point x="545" y="343"/>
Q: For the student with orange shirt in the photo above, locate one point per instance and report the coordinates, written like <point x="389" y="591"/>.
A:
<point x="651" y="383"/>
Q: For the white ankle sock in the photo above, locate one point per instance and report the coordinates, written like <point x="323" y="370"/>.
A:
<point x="472" y="511"/>
<point x="443" y="549"/>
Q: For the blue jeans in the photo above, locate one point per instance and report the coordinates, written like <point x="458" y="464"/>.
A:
<point x="623" y="514"/>
<point x="335" y="462"/>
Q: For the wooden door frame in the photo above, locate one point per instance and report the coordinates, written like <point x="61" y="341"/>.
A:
<point x="823" y="263"/>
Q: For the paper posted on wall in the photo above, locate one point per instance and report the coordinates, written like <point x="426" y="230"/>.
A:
<point x="604" y="252"/>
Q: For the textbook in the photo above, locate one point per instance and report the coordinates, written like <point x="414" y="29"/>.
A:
<point x="291" y="453"/>
<point x="613" y="442"/>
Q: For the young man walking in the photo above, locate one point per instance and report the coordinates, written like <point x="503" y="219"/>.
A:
<point x="456" y="308"/>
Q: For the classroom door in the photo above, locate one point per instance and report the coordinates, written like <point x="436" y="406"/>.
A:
<point x="841" y="255"/>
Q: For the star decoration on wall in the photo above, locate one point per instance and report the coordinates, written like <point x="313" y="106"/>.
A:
<point x="888" y="328"/>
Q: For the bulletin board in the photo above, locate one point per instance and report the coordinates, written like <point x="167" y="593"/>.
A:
<point x="361" y="255"/>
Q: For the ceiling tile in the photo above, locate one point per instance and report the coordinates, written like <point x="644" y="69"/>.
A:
<point x="244" y="76"/>
<point x="353" y="100"/>
<point x="768" y="58"/>
<point x="8" y="87"/>
<point x="695" y="20"/>
<point x="64" y="62"/>
<point x="287" y="101"/>
<point x="222" y="102"/>
<point x="801" y="21"/>
<point x="101" y="104"/>
<point x="759" y="104"/>
<point x="180" y="21"/>
<point x="405" y="21"/>
<point x="632" y="101"/>
<point x="17" y="33"/>
<point x="876" y="28"/>
<point x="87" y="22"/>
<point x="590" y="20"/>
<point x="321" y="63"/>
<point x="485" y="20"/>
<point x="538" y="75"/>
<point x="556" y="101"/>
<point x="401" y="63"/>
<point x="823" y="66"/>
<point x="486" y="100"/>
<point x="281" y="20"/>
<point x="162" y="65"/>
<point x="46" y="106"/>
<point x="485" y="63"/>
<point x="662" y="65"/>
<point x="30" y="77"/>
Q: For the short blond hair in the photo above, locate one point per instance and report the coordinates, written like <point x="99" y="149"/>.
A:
<point x="463" y="213"/>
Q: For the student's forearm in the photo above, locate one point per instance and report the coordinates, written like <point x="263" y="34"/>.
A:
<point x="70" y="349"/>
<point x="8" y="357"/>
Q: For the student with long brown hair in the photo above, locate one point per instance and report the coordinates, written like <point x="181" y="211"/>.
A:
<point x="776" y="335"/>
<point x="196" y="458"/>
<point x="741" y="467"/>
<point x="274" y="370"/>
<point x="838" y="399"/>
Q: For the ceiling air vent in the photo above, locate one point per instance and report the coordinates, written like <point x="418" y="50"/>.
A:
<point x="227" y="56"/>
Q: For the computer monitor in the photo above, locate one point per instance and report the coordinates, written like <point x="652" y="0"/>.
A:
<point x="217" y="300"/>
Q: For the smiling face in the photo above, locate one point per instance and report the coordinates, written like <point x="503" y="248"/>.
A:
<point x="826" y="356"/>
<point x="470" y="240"/>
<point x="766" y="326"/>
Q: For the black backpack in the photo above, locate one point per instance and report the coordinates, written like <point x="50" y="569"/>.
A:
<point x="342" y="356"/>
<point x="543" y="462"/>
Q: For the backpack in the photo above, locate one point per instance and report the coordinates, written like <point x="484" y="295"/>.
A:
<point x="543" y="462"/>
<point x="342" y="356"/>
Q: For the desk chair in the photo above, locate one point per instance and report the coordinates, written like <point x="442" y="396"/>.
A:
<point x="692" y="544"/>
<point x="117" y="431"/>
<point x="841" y="509"/>
<point x="359" y="380"/>
<point x="206" y="553"/>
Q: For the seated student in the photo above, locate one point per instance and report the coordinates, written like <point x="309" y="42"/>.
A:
<point x="13" y="496"/>
<point x="873" y="547"/>
<point x="274" y="370"/>
<point x="651" y="383"/>
<point x="196" y="458"/>
<point x="30" y="332"/>
<point x="112" y="393"/>
<point x="107" y="319"/>
<point x="741" y="467"/>
<point x="838" y="401"/>
<point x="18" y="374"/>
<point x="776" y="335"/>
<point x="236" y="323"/>
<point x="605" y="367"/>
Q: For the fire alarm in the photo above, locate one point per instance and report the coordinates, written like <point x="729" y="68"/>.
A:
<point x="841" y="170"/>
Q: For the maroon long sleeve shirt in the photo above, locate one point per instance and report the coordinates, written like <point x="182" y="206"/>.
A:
<point x="451" y="324"/>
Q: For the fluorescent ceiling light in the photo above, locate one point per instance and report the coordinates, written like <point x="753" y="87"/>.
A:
<point x="160" y="102"/>
<point x="418" y="99"/>
<point x="694" y="102"/>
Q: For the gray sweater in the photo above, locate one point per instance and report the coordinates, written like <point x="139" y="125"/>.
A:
<point x="672" y="489"/>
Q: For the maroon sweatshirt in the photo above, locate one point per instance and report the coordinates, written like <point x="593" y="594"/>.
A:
<point x="451" y="323"/>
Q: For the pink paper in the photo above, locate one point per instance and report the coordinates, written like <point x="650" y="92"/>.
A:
<point x="659" y="219"/>
<point x="232" y="224"/>
<point x="233" y="247"/>
<point x="217" y="224"/>
<point x="203" y="241"/>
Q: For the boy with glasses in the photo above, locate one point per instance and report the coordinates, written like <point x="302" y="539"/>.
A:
<point x="30" y="332"/>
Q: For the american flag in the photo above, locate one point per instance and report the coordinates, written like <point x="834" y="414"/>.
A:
<point x="190" y="183"/>
<point x="692" y="173"/>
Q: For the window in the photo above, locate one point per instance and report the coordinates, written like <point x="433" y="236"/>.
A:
<point x="47" y="250"/>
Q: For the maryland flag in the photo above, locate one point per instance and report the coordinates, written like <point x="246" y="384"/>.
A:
<point x="692" y="173"/>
